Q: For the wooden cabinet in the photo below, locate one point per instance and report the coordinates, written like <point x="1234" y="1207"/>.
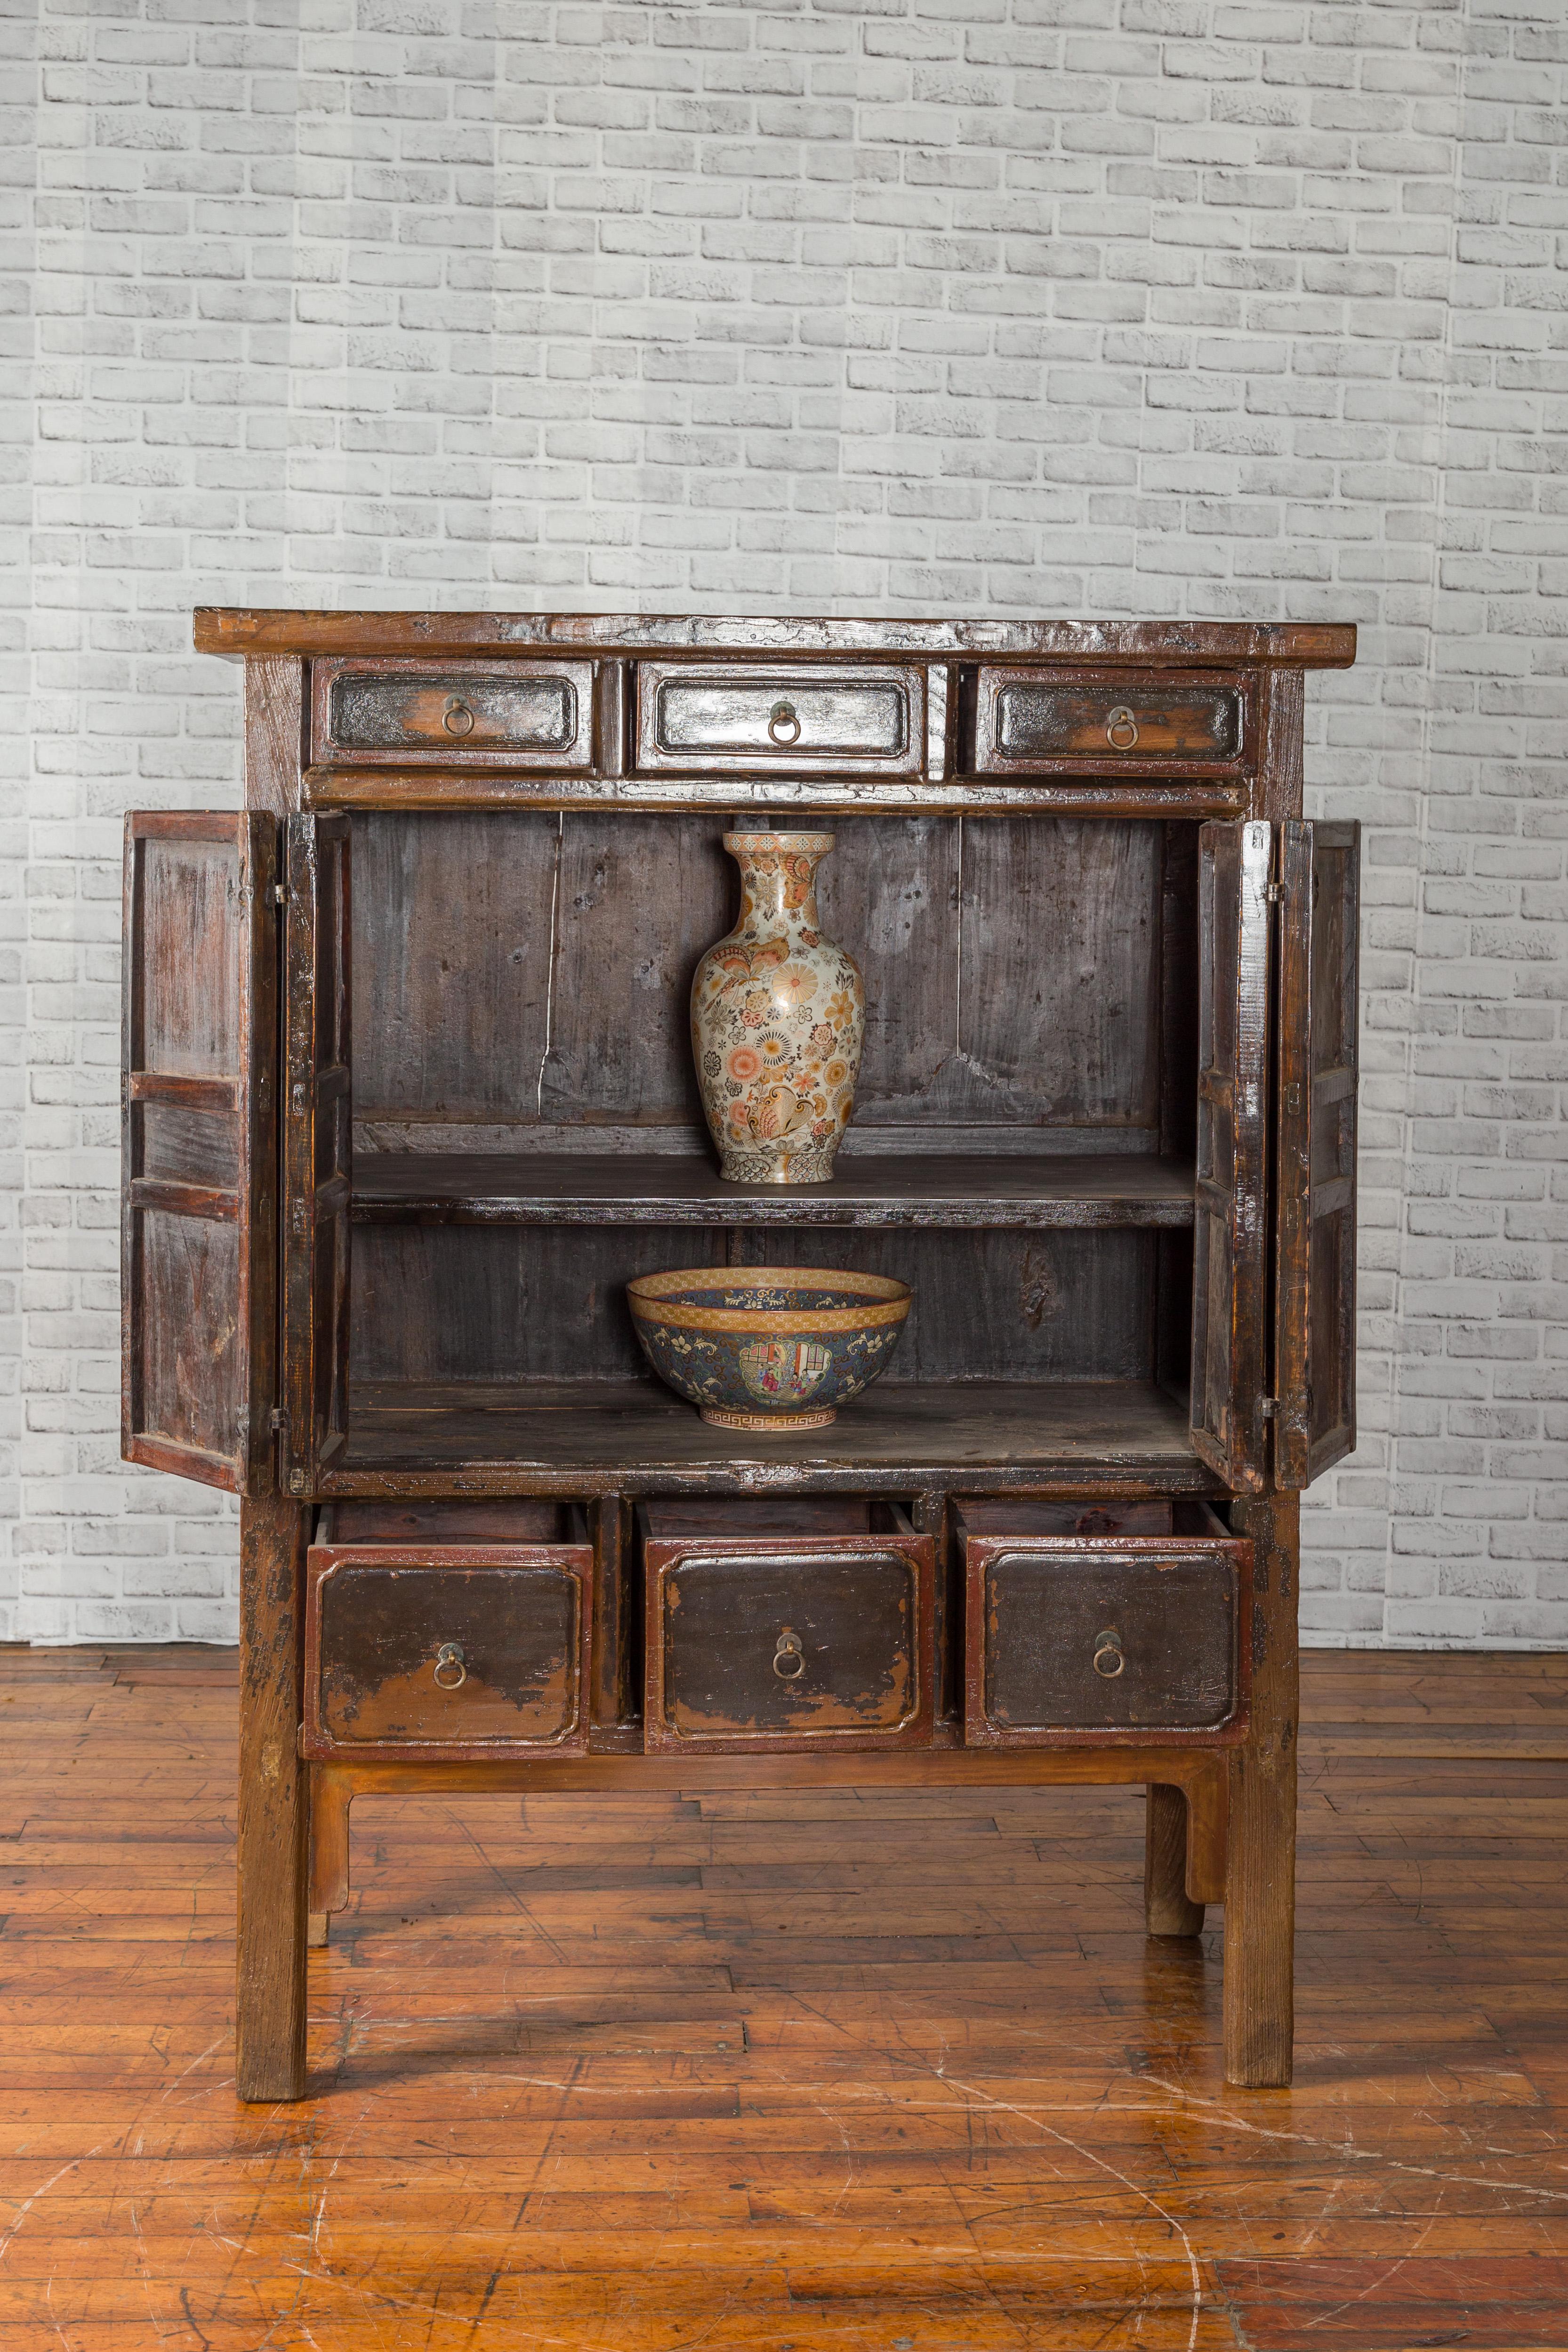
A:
<point x="409" y="1099"/>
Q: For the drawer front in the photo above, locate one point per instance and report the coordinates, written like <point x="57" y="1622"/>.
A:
<point x="1025" y="718"/>
<point x="478" y="1652"/>
<point x="865" y="721"/>
<point x="1104" y="1641"/>
<point x="786" y="1646"/>
<point x="530" y="714"/>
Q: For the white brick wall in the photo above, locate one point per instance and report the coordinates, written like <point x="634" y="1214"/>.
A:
<point x="1024" y="306"/>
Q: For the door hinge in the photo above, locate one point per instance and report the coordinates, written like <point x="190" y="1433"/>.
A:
<point x="1274" y="893"/>
<point x="1270" y="1408"/>
<point x="278" y="1421"/>
<point x="279" y="894"/>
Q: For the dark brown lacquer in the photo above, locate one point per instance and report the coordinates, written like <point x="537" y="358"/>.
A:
<point x="792" y="1624"/>
<point x="448" y="1631"/>
<point x="317" y="1148"/>
<point x="1026" y="719"/>
<point x="378" y="1236"/>
<point x="1315" y="1278"/>
<point x="1128" y="1623"/>
<point x="532" y="714"/>
<point x="862" y="721"/>
<point x="1230" y="1230"/>
<point x="199" y="1104"/>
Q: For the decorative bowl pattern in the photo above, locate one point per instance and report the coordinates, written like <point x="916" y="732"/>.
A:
<point x="768" y="1347"/>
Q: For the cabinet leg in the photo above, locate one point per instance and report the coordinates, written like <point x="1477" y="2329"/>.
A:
<point x="1260" y="1853"/>
<point x="330" y="1796"/>
<point x="1168" y="1909"/>
<point x="270" y="2059"/>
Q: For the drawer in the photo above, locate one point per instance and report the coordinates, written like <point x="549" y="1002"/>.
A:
<point x="796" y="1624"/>
<point x="447" y="1629"/>
<point x="1026" y="719"/>
<point x="528" y="714"/>
<point x="806" y="717"/>
<point x="1103" y="1623"/>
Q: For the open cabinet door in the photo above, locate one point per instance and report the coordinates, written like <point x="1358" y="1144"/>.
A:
<point x="317" y="1138"/>
<point x="1230" y="1222"/>
<point x="1315" y="1277"/>
<point x="198" y="1185"/>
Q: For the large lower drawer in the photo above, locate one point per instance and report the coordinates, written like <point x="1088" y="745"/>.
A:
<point x="803" y="1623"/>
<point x="447" y="1630"/>
<point x="1096" y="1622"/>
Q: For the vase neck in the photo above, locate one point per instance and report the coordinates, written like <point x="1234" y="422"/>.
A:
<point x="778" y="890"/>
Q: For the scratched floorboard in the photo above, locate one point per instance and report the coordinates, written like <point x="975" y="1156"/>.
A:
<point x="826" y="2073"/>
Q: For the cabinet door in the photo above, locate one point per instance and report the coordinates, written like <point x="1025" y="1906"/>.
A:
<point x="199" y="1104"/>
<point x="316" y="1147"/>
<point x="1230" y="1230"/>
<point x="1315" y="1278"/>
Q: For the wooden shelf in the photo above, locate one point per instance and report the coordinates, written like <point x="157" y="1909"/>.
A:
<point x="668" y="1189"/>
<point x="1103" y="1437"/>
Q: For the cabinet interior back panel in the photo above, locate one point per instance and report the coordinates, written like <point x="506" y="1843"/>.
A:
<point x="548" y="1303"/>
<point x="529" y="969"/>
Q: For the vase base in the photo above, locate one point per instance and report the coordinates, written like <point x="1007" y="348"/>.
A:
<point x="768" y="1424"/>
<point x="755" y="1168"/>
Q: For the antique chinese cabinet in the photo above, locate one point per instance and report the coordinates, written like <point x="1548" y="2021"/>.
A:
<point x="409" y="1098"/>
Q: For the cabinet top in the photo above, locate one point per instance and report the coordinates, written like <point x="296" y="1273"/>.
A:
<point x="1295" y="644"/>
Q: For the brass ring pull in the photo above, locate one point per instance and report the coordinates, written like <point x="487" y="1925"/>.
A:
<point x="1121" y="728"/>
<point x="784" y="727"/>
<point x="1109" y="1661"/>
<point x="457" y="718"/>
<point x="450" y="1671"/>
<point x="789" y="1663"/>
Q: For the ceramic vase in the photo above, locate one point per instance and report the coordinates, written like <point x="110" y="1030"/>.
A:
<point x="778" y="1018"/>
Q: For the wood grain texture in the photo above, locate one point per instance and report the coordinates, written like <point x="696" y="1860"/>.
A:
<point x="593" y="1437"/>
<point x="1230" y="1232"/>
<point x="199" y="1146"/>
<point x="274" y="732"/>
<point x="1315" y="1268"/>
<point x="673" y="1188"/>
<point x="270" y="2061"/>
<point x="966" y="2100"/>
<point x="317" y="1145"/>
<point x="1168" y="1908"/>
<point x="241" y="630"/>
<point x="1261" y="1860"/>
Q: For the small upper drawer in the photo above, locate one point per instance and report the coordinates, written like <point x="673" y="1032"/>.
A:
<point x="1102" y="1623"/>
<point x="1026" y="719"/>
<point x="447" y="1629"/>
<point x="530" y="714"/>
<point x="801" y="1623"/>
<point x="810" y="718"/>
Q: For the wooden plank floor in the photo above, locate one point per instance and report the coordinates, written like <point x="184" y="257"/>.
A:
<point x="824" y="2074"/>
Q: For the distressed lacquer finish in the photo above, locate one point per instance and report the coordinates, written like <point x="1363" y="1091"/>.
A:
<point x="1075" y="1139"/>
<point x="199" y="1102"/>
<point x="1315" y="1282"/>
<point x="1230" y="1231"/>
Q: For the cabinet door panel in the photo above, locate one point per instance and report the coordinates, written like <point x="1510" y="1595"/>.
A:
<point x="199" y="1116"/>
<point x="316" y="1147"/>
<point x="1229" y="1233"/>
<point x="1315" y="1282"/>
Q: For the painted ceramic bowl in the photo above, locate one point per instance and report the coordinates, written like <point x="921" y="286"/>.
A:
<point x="768" y="1347"/>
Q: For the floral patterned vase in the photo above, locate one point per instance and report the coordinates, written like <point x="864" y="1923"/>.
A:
<point x="778" y="1018"/>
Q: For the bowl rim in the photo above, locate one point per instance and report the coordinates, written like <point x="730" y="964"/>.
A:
<point x="653" y="1299"/>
